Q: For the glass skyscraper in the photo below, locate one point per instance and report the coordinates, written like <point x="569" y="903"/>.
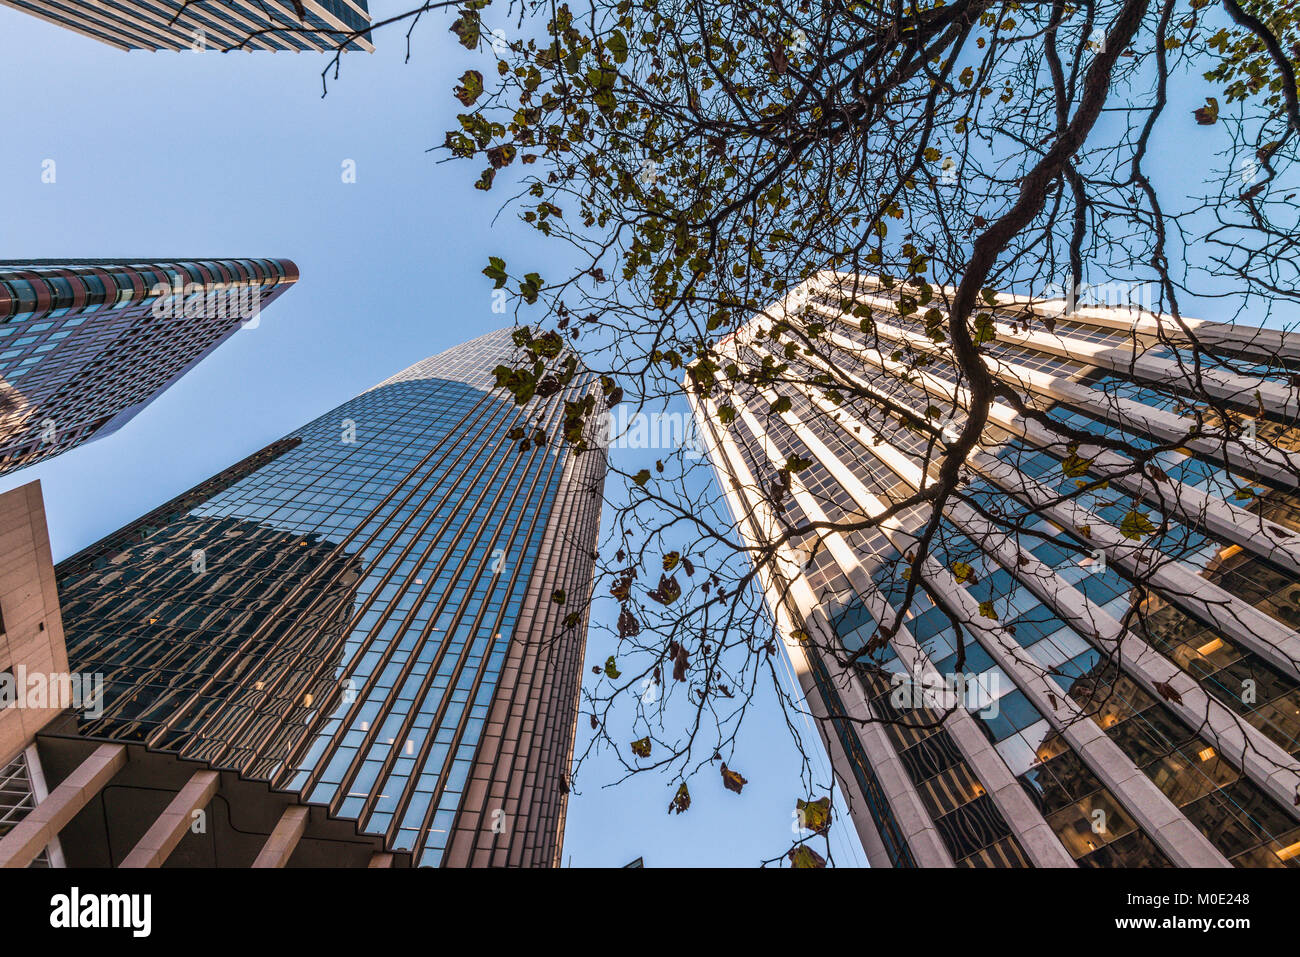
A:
<point x="86" y="344"/>
<point x="209" y="24"/>
<point x="383" y="611"/>
<point x="1122" y="672"/>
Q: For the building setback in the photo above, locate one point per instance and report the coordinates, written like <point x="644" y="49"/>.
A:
<point x="1109" y="726"/>
<point x="86" y="345"/>
<point x="211" y="24"/>
<point x="383" y="612"/>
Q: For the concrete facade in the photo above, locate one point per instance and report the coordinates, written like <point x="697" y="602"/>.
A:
<point x="1118" y="727"/>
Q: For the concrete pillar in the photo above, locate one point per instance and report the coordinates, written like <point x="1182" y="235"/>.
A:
<point x="42" y="825"/>
<point x="166" y="832"/>
<point x="280" y="845"/>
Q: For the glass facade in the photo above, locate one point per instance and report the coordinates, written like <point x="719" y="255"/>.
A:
<point x="85" y="345"/>
<point x="1034" y="581"/>
<point x="210" y="24"/>
<point x="377" y="611"/>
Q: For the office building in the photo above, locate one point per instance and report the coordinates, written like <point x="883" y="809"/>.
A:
<point x="1086" y="655"/>
<point x="86" y="345"/>
<point x="212" y="25"/>
<point x="383" y="613"/>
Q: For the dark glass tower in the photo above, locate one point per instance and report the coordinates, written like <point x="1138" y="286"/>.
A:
<point x="86" y="344"/>
<point x="378" y="611"/>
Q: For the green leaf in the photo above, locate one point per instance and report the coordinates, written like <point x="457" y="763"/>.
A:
<point x="815" y="815"/>
<point x="467" y="28"/>
<point x="529" y="287"/>
<point x="1074" y="465"/>
<point x="611" y="670"/>
<point x="641" y="477"/>
<point x="496" y="271"/>
<point x="617" y="46"/>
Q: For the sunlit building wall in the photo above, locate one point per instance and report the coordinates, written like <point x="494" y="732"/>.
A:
<point x="1108" y="726"/>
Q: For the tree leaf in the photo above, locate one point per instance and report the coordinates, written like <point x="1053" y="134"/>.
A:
<point x="496" y="271"/>
<point x="1135" y="525"/>
<point x="681" y="800"/>
<point x="1208" y="114"/>
<point x="815" y="815"/>
<point x="1167" y="691"/>
<point x="470" y="88"/>
<point x="732" y="780"/>
<point x="668" y="591"/>
<point x="804" y="856"/>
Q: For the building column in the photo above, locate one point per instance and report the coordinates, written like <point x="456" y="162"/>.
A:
<point x="280" y="845"/>
<point x="161" y="839"/>
<point x="43" y="824"/>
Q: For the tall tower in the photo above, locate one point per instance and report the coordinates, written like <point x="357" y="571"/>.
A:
<point x="1112" y="624"/>
<point x="86" y="344"/>
<point x="381" y="611"/>
<point x="312" y="25"/>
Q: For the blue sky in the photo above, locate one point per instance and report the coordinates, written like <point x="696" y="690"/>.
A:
<point x="183" y="155"/>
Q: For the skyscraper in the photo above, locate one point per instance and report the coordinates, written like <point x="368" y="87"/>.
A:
<point x="1113" y="630"/>
<point x="211" y="24"/>
<point x="86" y="344"/>
<point x="382" y="611"/>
